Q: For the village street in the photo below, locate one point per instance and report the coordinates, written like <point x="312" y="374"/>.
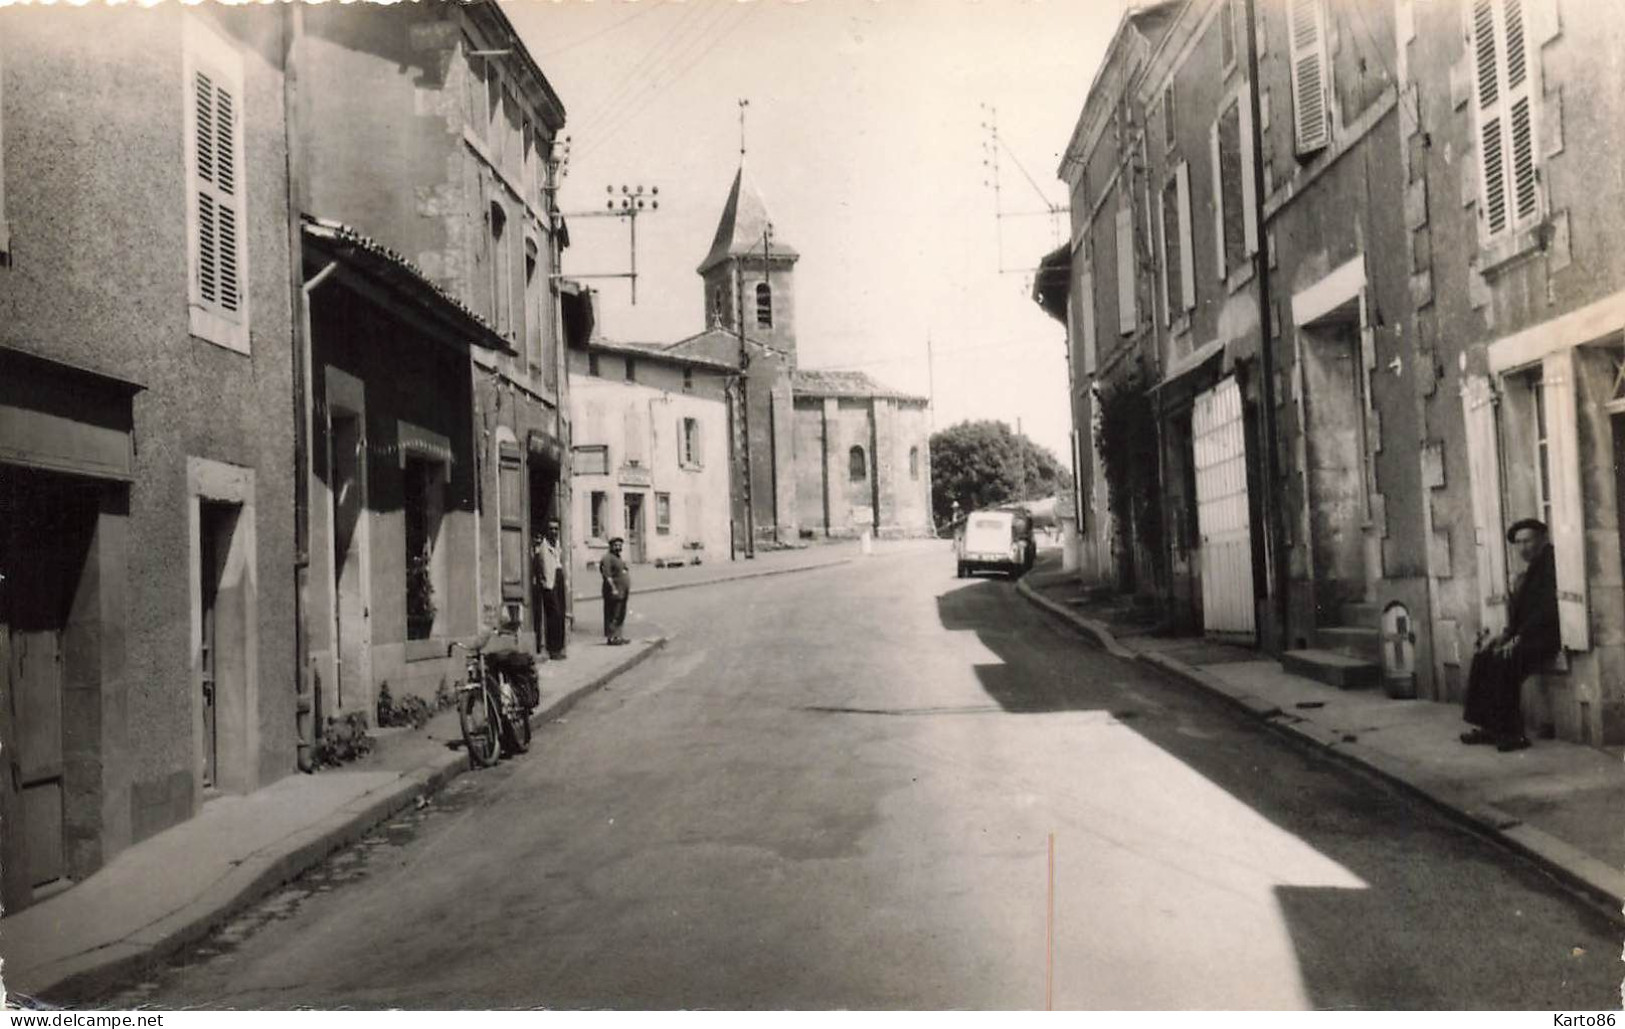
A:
<point x="843" y="789"/>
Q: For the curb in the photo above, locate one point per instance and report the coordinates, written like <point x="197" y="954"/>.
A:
<point x="728" y="578"/>
<point x="90" y="973"/>
<point x="1594" y="882"/>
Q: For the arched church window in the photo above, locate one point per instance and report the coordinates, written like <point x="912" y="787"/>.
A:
<point x="913" y="462"/>
<point x="764" y="305"/>
<point x="857" y="464"/>
<point x="716" y="306"/>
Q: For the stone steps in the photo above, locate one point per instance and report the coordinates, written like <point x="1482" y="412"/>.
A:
<point x="1331" y="668"/>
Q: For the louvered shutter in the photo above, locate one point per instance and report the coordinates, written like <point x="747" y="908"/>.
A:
<point x="1170" y="256"/>
<point x="699" y="444"/>
<point x="215" y="125"/>
<point x="1311" y="113"/>
<point x="1568" y="514"/>
<point x="1484" y="467"/>
<point x="1503" y="87"/>
<point x="1127" y="316"/>
<point x="1187" y="255"/>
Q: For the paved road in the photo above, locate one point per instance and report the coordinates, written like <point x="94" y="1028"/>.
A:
<point x="842" y="789"/>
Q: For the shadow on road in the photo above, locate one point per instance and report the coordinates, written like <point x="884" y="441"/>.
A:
<point x="1417" y="935"/>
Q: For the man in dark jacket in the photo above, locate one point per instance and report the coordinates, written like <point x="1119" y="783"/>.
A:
<point x="617" y="587"/>
<point x="1531" y="637"/>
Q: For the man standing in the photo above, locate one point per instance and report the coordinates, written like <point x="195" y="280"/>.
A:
<point x="617" y="587"/>
<point x="550" y="584"/>
<point x="1532" y="635"/>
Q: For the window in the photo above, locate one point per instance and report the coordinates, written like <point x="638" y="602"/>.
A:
<point x="423" y="506"/>
<point x="1310" y="106"/>
<point x="479" y="119"/>
<point x="857" y="465"/>
<point x="764" y="305"/>
<point x="662" y="514"/>
<point x="532" y="310"/>
<point x="511" y="510"/>
<point x="1227" y="34"/>
<point x="690" y="453"/>
<point x="592" y="460"/>
<point x="688" y="379"/>
<point x="592" y="364"/>
<point x="1169" y="118"/>
<point x="501" y="283"/>
<point x="914" y="463"/>
<point x="1127" y="315"/>
<point x="1235" y="225"/>
<point x="631" y="370"/>
<point x="1504" y="103"/>
<point x="216" y="213"/>
<point x="717" y="317"/>
<point x="598" y="511"/>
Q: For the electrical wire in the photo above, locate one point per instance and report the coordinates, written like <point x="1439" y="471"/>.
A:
<point x="648" y="5"/>
<point x="609" y="133"/>
<point x="678" y="45"/>
<point x="652" y="54"/>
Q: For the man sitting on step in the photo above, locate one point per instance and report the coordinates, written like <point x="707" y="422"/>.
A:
<point x="1531" y="637"/>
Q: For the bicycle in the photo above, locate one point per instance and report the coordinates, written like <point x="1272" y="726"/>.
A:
<point x="493" y="715"/>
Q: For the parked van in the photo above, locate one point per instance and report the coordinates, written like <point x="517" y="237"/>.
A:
<point x="995" y="541"/>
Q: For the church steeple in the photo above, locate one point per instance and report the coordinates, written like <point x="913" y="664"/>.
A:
<point x="739" y="233"/>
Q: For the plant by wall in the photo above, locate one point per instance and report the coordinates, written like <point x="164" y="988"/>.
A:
<point x="345" y="739"/>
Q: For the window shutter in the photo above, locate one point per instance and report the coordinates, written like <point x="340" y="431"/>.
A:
<point x="1087" y="318"/>
<point x="1568" y="514"/>
<point x="1187" y="256"/>
<point x="1309" y="107"/>
<point x="215" y="188"/>
<point x="1484" y="467"/>
<point x="1249" y="196"/>
<point x="1218" y="201"/>
<point x="682" y="444"/>
<point x="1491" y="118"/>
<point x="1165" y="284"/>
<point x="699" y="444"/>
<point x="1520" y="104"/>
<point x="1126" y="313"/>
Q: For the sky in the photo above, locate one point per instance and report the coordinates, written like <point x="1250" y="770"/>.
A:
<point x="866" y="134"/>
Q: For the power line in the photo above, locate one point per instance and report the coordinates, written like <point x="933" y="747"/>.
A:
<point x="655" y="52"/>
<point x="648" y="5"/>
<point x="654" y="87"/>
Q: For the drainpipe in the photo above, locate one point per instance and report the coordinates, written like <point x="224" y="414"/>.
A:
<point x="307" y="705"/>
<point x="1273" y="520"/>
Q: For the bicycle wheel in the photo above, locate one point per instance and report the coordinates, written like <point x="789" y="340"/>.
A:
<point x="477" y="714"/>
<point x="515" y="721"/>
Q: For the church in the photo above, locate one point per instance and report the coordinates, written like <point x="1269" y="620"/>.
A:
<point x="829" y="453"/>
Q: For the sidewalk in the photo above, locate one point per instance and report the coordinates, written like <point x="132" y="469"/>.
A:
<point x="646" y="578"/>
<point x="169" y="890"/>
<point x="1557" y="803"/>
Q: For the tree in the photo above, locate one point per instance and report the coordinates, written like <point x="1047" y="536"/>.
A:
<point x="984" y="464"/>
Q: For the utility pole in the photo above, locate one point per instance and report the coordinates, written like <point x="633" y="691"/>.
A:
<point x="632" y="202"/>
<point x="744" y="409"/>
<point x="1266" y="350"/>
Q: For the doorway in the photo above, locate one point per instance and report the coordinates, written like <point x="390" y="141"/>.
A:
<point x="48" y="629"/>
<point x="1335" y="470"/>
<point x="221" y="657"/>
<point x="634" y="528"/>
<point x="351" y="635"/>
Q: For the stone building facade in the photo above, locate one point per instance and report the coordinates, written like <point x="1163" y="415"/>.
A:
<point x="1444" y="326"/>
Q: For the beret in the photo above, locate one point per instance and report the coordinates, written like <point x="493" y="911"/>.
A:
<point x="1525" y="523"/>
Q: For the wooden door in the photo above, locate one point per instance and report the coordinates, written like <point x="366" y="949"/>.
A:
<point x="35" y="677"/>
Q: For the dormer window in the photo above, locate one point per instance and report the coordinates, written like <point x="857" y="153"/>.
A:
<point x="764" y="305"/>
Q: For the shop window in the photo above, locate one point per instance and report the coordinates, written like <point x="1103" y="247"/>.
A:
<point x="423" y="507"/>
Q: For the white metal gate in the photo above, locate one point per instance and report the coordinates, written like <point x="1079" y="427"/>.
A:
<point x="1219" y="439"/>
